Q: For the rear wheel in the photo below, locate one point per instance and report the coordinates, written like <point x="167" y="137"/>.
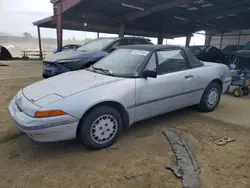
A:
<point x="100" y="128"/>
<point x="210" y="98"/>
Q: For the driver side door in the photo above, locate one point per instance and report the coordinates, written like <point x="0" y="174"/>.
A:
<point x="165" y="93"/>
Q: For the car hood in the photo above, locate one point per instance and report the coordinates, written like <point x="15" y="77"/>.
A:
<point x="65" y="85"/>
<point x="70" y="55"/>
<point x="242" y="53"/>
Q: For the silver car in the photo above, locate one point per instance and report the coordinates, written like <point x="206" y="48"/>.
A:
<point x="131" y="84"/>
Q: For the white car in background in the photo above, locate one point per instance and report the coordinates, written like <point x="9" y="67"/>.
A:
<point x="131" y="84"/>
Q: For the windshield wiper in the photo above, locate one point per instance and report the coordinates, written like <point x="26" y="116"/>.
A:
<point x="103" y="70"/>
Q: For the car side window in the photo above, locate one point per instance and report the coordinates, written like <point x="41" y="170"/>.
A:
<point x="208" y="49"/>
<point x="216" y="50"/>
<point x="171" y="61"/>
<point x="64" y="48"/>
<point x="151" y="63"/>
<point x="212" y="50"/>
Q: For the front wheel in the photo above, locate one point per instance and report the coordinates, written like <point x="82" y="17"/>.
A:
<point x="210" y="98"/>
<point x="100" y="128"/>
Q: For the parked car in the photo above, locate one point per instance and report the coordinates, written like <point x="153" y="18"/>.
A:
<point x="131" y="84"/>
<point x="244" y="52"/>
<point x="208" y="53"/>
<point x="230" y="49"/>
<point x="86" y="55"/>
<point x="69" y="47"/>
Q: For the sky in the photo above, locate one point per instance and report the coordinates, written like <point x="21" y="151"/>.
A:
<point x="17" y="17"/>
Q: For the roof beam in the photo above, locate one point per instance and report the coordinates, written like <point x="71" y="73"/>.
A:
<point x="168" y="5"/>
<point x="64" y="4"/>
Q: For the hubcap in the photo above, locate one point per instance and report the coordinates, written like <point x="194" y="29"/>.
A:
<point x="212" y="97"/>
<point x="104" y="129"/>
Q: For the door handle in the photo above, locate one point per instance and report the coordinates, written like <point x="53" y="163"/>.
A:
<point x="189" y="77"/>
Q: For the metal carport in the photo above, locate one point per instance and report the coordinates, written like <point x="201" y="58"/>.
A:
<point x="152" y="18"/>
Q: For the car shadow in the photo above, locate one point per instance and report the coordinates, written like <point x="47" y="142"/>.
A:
<point x="144" y="128"/>
<point x="140" y="129"/>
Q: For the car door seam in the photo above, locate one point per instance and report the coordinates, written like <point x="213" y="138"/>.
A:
<point x="164" y="98"/>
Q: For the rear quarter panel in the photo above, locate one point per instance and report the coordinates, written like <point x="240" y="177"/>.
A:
<point x="209" y="72"/>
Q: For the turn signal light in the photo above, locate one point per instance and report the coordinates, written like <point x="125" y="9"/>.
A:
<point x="49" y="113"/>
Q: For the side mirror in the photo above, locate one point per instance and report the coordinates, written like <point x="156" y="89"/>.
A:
<point x="149" y="74"/>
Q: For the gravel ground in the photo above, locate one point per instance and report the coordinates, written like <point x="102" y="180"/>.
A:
<point x="142" y="151"/>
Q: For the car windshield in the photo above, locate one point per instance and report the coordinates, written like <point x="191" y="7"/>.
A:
<point x="247" y="46"/>
<point x="122" y="62"/>
<point x="197" y="49"/>
<point x="96" y="45"/>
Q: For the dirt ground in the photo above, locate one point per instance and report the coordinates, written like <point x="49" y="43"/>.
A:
<point x="142" y="151"/>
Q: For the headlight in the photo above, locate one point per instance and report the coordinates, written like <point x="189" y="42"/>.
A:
<point x="73" y="64"/>
<point x="68" y="60"/>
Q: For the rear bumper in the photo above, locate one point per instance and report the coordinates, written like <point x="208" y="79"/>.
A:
<point x="226" y="84"/>
<point x="44" y="129"/>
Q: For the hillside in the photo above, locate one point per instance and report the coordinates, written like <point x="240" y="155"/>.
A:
<point x="4" y="34"/>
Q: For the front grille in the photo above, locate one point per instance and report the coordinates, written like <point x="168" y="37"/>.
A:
<point x="57" y="67"/>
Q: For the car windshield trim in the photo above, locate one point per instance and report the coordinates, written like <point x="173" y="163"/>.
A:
<point x="90" y="69"/>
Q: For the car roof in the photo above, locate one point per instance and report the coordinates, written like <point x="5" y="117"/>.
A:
<point x="151" y="47"/>
<point x="201" y="46"/>
<point x="193" y="61"/>
<point x="123" y="38"/>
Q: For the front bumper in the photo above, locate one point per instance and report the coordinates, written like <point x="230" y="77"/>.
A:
<point x="51" y="69"/>
<point x="44" y="129"/>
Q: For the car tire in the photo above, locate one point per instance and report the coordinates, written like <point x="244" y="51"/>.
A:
<point x="100" y="128"/>
<point x="210" y="98"/>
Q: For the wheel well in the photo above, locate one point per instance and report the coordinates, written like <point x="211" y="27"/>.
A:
<point x="120" y="108"/>
<point x="218" y="81"/>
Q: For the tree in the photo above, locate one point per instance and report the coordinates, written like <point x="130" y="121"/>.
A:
<point x="27" y="35"/>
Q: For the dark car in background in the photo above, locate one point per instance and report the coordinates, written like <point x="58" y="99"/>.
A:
<point x="208" y="53"/>
<point x="230" y="49"/>
<point x="241" y="58"/>
<point x="69" y="47"/>
<point x="86" y="55"/>
<point x="245" y="51"/>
